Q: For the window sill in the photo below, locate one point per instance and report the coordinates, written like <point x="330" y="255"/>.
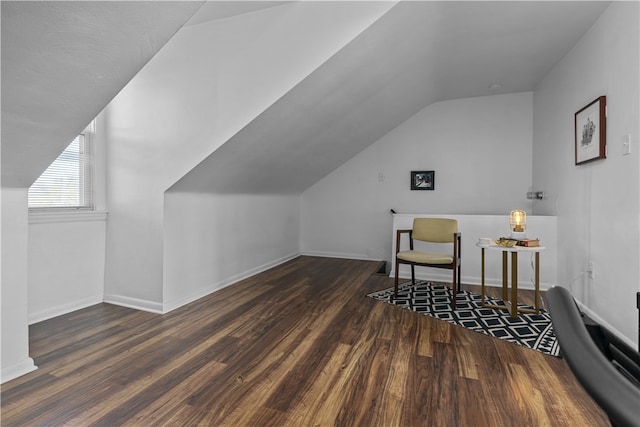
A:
<point x="43" y="217"/>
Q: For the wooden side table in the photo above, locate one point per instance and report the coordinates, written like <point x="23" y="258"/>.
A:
<point x="512" y="305"/>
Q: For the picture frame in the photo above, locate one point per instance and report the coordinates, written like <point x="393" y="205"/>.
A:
<point x="423" y="180"/>
<point x="591" y="131"/>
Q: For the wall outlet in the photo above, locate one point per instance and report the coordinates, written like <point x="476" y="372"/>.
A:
<point x="590" y="270"/>
<point x="626" y="144"/>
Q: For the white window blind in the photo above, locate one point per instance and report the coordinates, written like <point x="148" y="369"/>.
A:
<point x="68" y="181"/>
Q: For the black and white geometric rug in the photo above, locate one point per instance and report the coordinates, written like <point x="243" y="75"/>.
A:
<point x="529" y="330"/>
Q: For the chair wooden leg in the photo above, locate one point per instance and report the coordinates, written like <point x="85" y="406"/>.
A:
<point x="413" y="274"/>
<point x="455" y="283"/>
<point x="454" y="289"/>
<point x="395" y="287"/>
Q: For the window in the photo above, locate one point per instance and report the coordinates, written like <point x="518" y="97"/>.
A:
<point x="68" y="181"/>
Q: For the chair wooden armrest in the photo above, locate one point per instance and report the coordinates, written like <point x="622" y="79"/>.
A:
<point x="457" y="245"/>
<point x="399" y="234"/>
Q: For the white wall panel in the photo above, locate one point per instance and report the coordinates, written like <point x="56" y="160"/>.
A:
<point x="14" y="295"/>
<point x="598" y="203"/>
<point x="204" y="86"/>
<point x="66" y="265"/>
<point x="212" y="241"/>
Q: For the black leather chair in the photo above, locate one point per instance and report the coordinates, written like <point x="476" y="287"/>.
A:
<point x="610" y="384"/>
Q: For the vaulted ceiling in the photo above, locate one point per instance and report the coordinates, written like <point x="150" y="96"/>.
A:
<point x="56" y="78"/>
<point x="62" y="62"/>
<point x="418" y="53"/>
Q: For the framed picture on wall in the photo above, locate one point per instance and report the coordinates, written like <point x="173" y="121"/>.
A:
<point x="591" y="131"/>
<point x="422" y="180"/>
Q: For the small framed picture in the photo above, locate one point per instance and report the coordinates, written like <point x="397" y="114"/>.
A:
<point x="422" y="180"/>
<point x="591" y="131"/>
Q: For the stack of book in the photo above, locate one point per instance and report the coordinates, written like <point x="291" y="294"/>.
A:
<point x="509" y="243"/>
<point x="529" y="243"/>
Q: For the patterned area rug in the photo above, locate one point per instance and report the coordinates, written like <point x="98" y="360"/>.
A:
<point x="529" y="330"/>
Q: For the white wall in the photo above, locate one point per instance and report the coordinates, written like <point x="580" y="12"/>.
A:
<point x="67" y="250"/>
<point x="479" y="148"/>
<point x="212" y="241"/>
<point x="66" y="263"/>
<point x="14" y="317"/>
<point x="597" y="204"/>
<point x="207" y="83"/>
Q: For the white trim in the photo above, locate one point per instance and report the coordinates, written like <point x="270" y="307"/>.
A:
<point x="51" y="216"/>
<point x="172" y="305"/>
<point x="99" y="163"/>
<point x="59" y="310"/>
<point x="606" y="325"/>
<point x="159" y="308"/>
<point x="135" y="303"/>
<point x="360" y="257"/>
<point x="17" y="370"/>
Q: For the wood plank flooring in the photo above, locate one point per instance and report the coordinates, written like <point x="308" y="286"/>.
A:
<point x="298" y="345"/>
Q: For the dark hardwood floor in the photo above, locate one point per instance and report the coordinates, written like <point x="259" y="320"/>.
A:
<point x="298" y="345"/>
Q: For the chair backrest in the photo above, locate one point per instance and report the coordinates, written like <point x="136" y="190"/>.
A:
<point x="439" y="230"/>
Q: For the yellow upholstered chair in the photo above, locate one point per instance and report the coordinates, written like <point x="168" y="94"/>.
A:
<point x="433" y="230"/>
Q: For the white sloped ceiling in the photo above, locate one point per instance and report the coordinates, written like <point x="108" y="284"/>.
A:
<point x="417" y="54"/>
<point x="62" y="62"/>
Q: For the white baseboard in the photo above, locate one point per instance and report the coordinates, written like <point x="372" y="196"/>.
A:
<point x="135" y="303"/>
<point x="156" y="307"/>
<point x="606" y="325"/>
<point x="59" y="310"/>
<point x="203" y="292"/>
<point x="360" y="257"/>
<point x="17" y="370"/>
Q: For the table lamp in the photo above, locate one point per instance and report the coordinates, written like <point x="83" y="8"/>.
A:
<point x="518" y="223"/>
